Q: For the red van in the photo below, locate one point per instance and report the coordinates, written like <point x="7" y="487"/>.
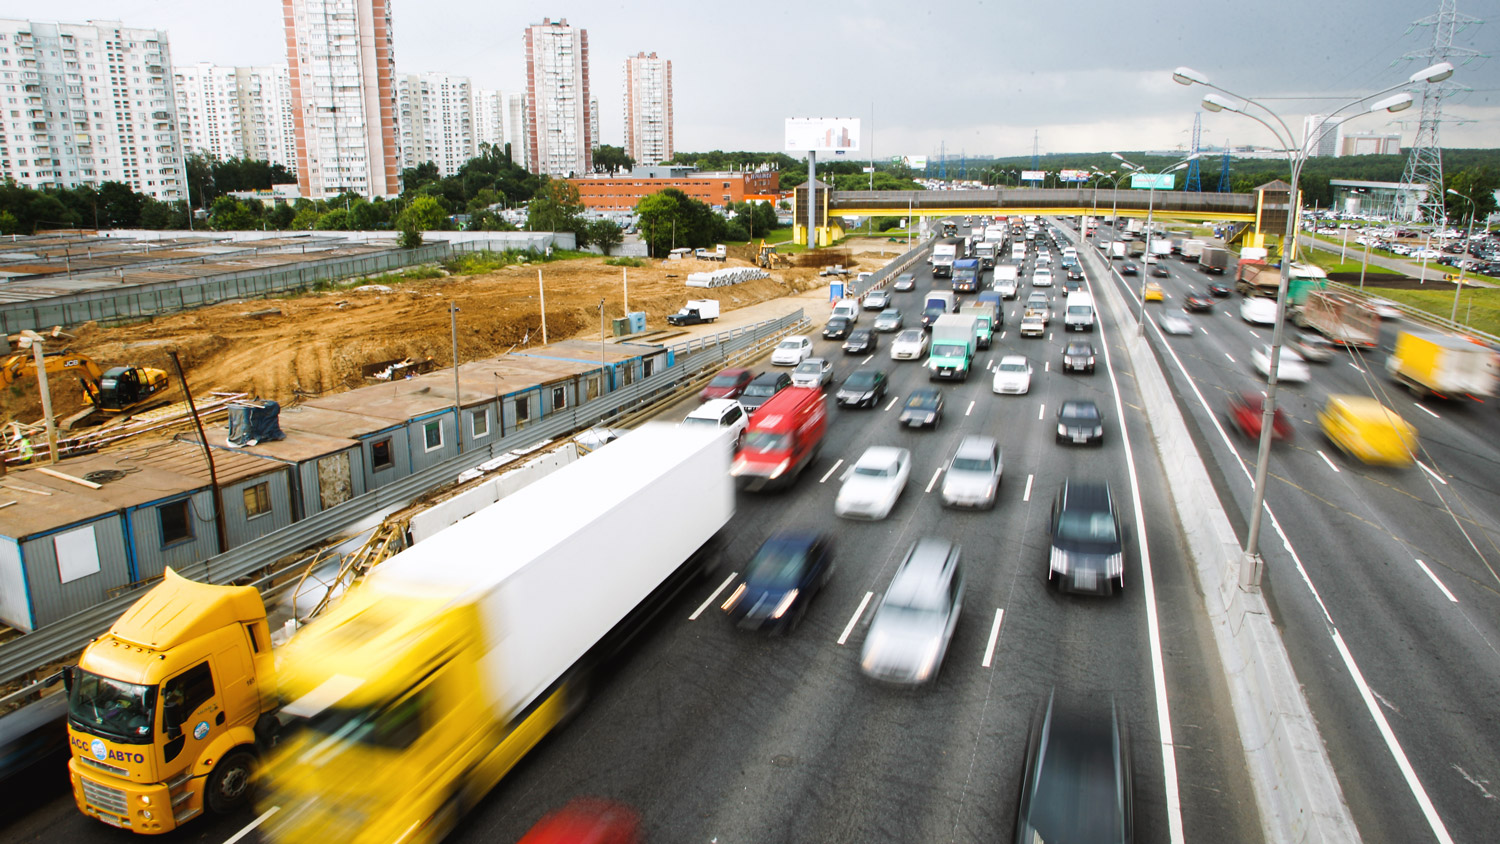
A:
<point x="784" y="436"/>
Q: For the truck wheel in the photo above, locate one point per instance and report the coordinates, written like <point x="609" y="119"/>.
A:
<point x="229" y="784"/>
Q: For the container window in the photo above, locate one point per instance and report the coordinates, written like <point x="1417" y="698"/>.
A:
<point x="176" y="525"/>
<point x="257" y="500"/>
<point x="479" y="423"/>
<point x="432" y="434"/>
<point x="559" y="398"/>
<point x="380" y="454"/>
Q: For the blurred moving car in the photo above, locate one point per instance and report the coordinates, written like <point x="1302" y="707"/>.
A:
<point x="1012" y="375"/>
<point x="1219" y="289"/>
<point x="888" y="321"/>
<point x="930" y="315"/>
<point x="972" y="477"/>
<point x="877" y="300"/>
<point x="874" y="483"/>
<point x="792" y="351"/>
<point x="1088" y="541"/>
<point x="587" y="820"/>
<point x="1386" y="309"/>
<point x="905" y="282"/>
<point x="789" y="569"/>
<point x="1078" y="783"/>
<point x="764" y="386"/>
<point x="1197" y="301"/>
<point x="910" y="344"/>
<point x="728" y="384"/>
<point x="1129" y="268"/>
<point x="1291" y="367"/>
<point x="1368" y="431"/>
<point x="1314" y="348"/>
<point x="837" y="328"/>
<point x="923" y="408"/>
<point x="722" y="413"/>
<point x="865" y="388"/>
<point x="1079" y="421"/>
<point x="861" y="342"/>
<point x="1176" y="324"/>
<point x="1258" y="310"/>
<point x="915" y="619"/>
<point x="1152" y="292"/>
<point x="1247" y="412"/>
<point x="1159" y="270"/>
<point x="813" y="372"/>
<point x="1078" y="356"/>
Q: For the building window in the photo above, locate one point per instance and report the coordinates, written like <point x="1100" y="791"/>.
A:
<point x="380" y="454"/>
<point x="479" y="423"/>
<point x="523" y="409"/>
<point x="432" y="434"/>
<point x="258" y="500"/>
<point x="559" y="398"/>
<point x="176" y="525"/>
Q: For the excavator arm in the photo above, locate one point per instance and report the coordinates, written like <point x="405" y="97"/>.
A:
<point x="23" y="364"/>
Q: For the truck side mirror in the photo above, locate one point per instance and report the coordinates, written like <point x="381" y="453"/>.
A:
<point x="172" y="716"/>
<point x="67" y="678"/>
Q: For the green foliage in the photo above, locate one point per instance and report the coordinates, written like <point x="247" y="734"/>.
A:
<point x="305" y="218"/>
<point x="492" y="175"/>
<point x="670" y="219"/>
<point x="754" y="219"/>
<point x="608" y="159"/>
<point x="625" y="262"/>
<point x="425" y="213"/>
<point x="605" y="234"/>
<point x="336" y="220"/>
<point x="209" y="178"/>
<point x="557" y="207"/>
<point x="410" y="238"/>
<point x="720" y="160"/>
<point x="1475" y="183"/>
<point x="229" y="214"/>
<point x="861" y="181"/>
<point x="478" y="263"/>
<point x="9" y="224"/>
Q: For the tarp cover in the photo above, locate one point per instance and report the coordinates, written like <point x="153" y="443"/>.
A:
<point x="251" y="425"/>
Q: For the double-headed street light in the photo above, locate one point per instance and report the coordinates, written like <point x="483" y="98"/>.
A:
<point x="1250" y="571"/>
<point x="1463" y="265"/>
<point x="1140" y="324"/>
<point x="1114" y="196"/>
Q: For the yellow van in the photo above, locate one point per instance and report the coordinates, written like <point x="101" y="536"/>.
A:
<point x="1368" y="430"/>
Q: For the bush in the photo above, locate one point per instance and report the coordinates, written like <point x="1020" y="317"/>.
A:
<point x="625" y="262"/>
<point x="410" y="238"/>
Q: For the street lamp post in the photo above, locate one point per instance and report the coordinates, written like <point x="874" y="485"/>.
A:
<point x="1140" y="326"/>
<point x="1114" y="204"/>
<point x="1463" y="263"/>
<point x="1250" y="570"/>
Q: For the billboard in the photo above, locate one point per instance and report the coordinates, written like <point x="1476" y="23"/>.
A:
<point x="1159" y="181"/>
<point x="1073" y="175"/>
<point x="1033" y="175"/>
<point x="838" y="135"/>
<point x="915" y="162"/>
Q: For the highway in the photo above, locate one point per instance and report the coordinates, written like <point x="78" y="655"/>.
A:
<point x="1383" y="580"/>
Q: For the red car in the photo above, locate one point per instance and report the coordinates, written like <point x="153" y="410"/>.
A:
<point x="587" y="820"/>
<point x="1246" y="412"/>
<point x="728" y="384"/>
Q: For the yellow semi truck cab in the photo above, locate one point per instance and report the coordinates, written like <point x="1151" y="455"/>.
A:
<point x="169" y="710"/>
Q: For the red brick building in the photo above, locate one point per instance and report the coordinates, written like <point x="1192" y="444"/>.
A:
<point x="622" y="192"/>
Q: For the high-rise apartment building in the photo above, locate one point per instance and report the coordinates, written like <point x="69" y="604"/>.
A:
<point x="593" y="121"/>
<point x="1370" y="143"/>
<point x="558" y="138"/>
<point x="341" y="58"/>
<point x="648" y="109"/>
<point x="435" y="113"/>
<point x="499" y="119"/>
<point x="237" y="112"/>
<point x="1327" y="141"/>
<point x="87" y="104"/>
<point x="516" y="131"/>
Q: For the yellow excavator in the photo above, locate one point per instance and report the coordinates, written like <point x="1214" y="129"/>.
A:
<point x="119" y="389"/>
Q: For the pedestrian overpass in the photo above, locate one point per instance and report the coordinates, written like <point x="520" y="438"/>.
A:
<point x="1060" y="202"/>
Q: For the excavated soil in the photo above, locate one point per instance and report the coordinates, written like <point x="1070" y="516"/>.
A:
<point x="307" y="345"/>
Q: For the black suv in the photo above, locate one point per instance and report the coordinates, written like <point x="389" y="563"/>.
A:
<point x="837" y="328"/>
<point x="765" y="385"/>
<point x="1088" y="540"/>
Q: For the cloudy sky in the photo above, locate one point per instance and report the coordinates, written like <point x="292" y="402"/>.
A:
<point x="980" y="76"/>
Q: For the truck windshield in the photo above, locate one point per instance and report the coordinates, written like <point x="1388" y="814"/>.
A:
<point x="111" y="708"/>
<point x="952" y="350"/>
<point x="766" y="441"/>
<point x="394" y="726"/>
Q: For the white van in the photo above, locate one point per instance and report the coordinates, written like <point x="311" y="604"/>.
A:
<point x="1079" y="313"/>
<point x="848" y="308"/>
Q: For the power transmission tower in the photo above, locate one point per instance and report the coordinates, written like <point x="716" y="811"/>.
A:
<point x="1193" y="182"/>
<point x="1424" y="165"/>
<point x="1224" y="169"/>
<point x="943" y="160"/>
<point x="1036" y="159"/>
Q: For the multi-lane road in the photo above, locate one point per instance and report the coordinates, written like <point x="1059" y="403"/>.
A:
<point x="714" y="734"/>
<point x="1384" y="581"/>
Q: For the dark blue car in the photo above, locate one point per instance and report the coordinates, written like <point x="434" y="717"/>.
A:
<point x="782" y="578"/>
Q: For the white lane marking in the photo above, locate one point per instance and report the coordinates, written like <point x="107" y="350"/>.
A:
<point x="1426" y="411"/>
<point x="253" y="824"/>
<point x="1002" y="335"/>
<point x="866" y="360"/>
<point x="1204" y="330"/>
<point x="1433" y="821"/>
<point x="1026" y="496"/>
<point x="989" y="651"/>
<point x="1427" y="571"/>
<point x="1435" y="475"/>
<point x="1353" y="367"/>
<point x="1253" y="334"/>
<point x="1479" y="784"/>
<point x="970" y="410"/>
<point x="1153" y="625"/>
<point x="894" y="399"/>
<point x="933" y="482"/>
<point x="711" y="598"/>
<point x="1047" y="366"/>
<point x="1326" y="460"/>
<point x="849" y="628"/>
<point x="1231" y="357"/>
<point x="1041" y="410"/>
<point x="835" y="468"/>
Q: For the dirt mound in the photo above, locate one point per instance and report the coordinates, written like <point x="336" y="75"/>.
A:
<point x="306" y="345"/>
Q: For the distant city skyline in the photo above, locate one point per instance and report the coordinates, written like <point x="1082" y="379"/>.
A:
<point x="1028" y="70"/>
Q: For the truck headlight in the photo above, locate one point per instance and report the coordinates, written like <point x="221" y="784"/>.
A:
<point x="1062" y="430"/>
<point x="1091" y="360"/>
<point x="1059" y="562"/>
<point x="780" y="467"/>
<point x="738" y="467"/>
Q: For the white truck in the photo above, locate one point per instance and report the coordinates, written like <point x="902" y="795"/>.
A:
<point x="718" y="253"/>
<point x="1007" y="280"/>
<point x="985" y="252"/>
<point x="944" y="253"/>
<point x="996" y="233"/>
<point x="1161" y="246"/>
<point x="1432" y="363"/>
<point x="1192" y="249"/>
<point x="1018" y="251"/>
<point x="695" y="312"/>
<point x="433" y="678"/>
<point x="1117" y="250"/>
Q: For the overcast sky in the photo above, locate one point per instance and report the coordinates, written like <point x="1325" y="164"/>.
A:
<point x="980" y="77"/>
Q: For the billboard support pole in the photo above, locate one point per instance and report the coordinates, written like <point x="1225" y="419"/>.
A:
<point x="812" y="199"/>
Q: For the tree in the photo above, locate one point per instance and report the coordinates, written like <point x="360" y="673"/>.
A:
<point x="362" y="216"/>
<point x="424" y="213"/>
<point x="305" y="217"/>
<point x="156" y="215"/>
<point x="9" y="224"/>
<point x="605" y="234"/>
<point x="333" y="220"/>
<point x="229" y="214"/>
<point x="1475" y="183"/>
<point x="557" y="207"/>
<point x="281" y="216"/>
<point x="670" y="218"/>
<point x="119" y="206"/>
<point x="610" y="159"/>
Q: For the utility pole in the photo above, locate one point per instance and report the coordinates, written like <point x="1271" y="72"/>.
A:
<point x="458" y="412"/>
<point x="208" y="454"/>
<point x="41" y="378"/>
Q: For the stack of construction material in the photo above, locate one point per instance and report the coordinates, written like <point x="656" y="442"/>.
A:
<point x="725" y="277"/>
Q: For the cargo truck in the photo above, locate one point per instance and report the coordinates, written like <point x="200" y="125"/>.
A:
<point x="694" y="312"/>
<point x="985" y="252"/>
<point x="985" y="320"/>
<point x="1161" y="247"/>
<point x="410" y="700"/>
<point x="941" y="299"/>
<point x="1443" y="365"/>
<point x="1341" y="317"/>
<point x="966" y="275"/>
<point x="1192" y="250"/>
<point x="952" y="350"/>
<point x="1258" y="279"/>
<point x="944" y="253"/>
<point x="784" y="436"/>
<point x="1213" y="259"/>
<point x="1117" y="250"/>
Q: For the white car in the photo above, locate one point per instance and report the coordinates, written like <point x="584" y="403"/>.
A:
<point x="813" y="372"/>
<point x="877" y="300"/>
<point x="1012" y="375"/>
<point x="1175" y="324"/>
<point x="910" y="344"/>
<point x="1041" y="278"/>
<point x="1258" y="310"/>
<point x="1033" y="325"/>
<point x="1386" y="309"/>
<point x="792" y="351"/>
<point x="874" y="483"/>
<point x="1292" y="367"/>
<point x="721" y="413"/>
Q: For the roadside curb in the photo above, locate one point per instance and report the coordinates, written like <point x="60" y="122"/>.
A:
<point x="1297" y="793"/>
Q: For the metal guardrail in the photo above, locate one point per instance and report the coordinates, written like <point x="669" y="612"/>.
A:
<point x="1417" y="315"/>
<point x="56" y="641"/>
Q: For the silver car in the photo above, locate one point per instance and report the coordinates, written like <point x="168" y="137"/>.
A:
<point x="914" y="621"/>
<point x="973" y="475"/>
